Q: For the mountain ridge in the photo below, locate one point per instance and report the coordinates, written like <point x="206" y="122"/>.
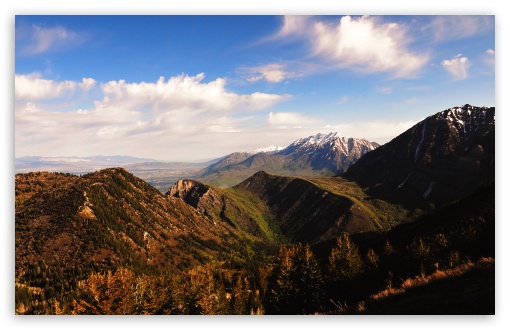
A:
<point x="440" y="159"/>
<point x="320" y="154"/>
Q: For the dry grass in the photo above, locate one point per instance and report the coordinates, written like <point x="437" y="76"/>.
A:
<point x="438" y="275"/>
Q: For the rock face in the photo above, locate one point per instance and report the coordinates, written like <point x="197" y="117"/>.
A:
<point x="220" y="207"/>
<point x="441" y="159"/>
<point x="192" y="192"/>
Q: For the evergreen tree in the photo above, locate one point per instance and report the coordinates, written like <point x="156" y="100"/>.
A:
<point x="344" y="261"/>
<point x="280" y="287"/>
<point x="295" y="283"/>
<point x="308" y="280"/>
<point x="420" y="253"/>
<point x="344" y="270"/>
<point x="371" y="261"/>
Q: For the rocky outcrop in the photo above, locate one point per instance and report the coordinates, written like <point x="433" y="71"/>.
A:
<point x="193" y="193"/>
<point x="217" y="206"/>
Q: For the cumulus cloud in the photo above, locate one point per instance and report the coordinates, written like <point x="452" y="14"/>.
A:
<point x="33" y="87"/>
<point x="457" y="66"/>
<point x="181" y="92"/>
<point x="293" y="25"/>
<point x="38" y="39"/>
<point x="362" y="44"/>
<point x="141" y="118"/>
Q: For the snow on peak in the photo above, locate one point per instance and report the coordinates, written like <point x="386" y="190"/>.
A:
<point x="467" y="118"/>
<point x="267" y="149"/>
<point x="318" y="139"/>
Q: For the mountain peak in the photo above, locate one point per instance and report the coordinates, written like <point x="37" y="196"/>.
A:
<point x="318" y="139"/>
<point x="466" y="119"/>
<point x="440" y="159"/>
<point x="271" y="148"/>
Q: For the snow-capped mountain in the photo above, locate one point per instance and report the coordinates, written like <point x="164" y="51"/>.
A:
<point x="269" y="149"/>
<point x="467" y="119"/>
<point x="440" y="159"/>
<point x="316" y="140"/>
<point x="332" y="151"/>
<point x="320" y="154"/>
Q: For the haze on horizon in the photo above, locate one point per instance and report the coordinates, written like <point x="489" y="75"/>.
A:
<point x="189" y="88"/>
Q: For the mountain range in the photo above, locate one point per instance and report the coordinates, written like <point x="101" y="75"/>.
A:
<point x="430" y="191"/>
<point x="316" y="155"/>
<point x="321" y="154"/>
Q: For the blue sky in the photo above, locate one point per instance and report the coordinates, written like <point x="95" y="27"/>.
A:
<point x="186" y="88"/>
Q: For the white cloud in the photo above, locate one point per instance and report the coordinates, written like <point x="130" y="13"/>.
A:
<point x="459" y="26"/>
<point x="457" y="66"/>
<point x="377" y="131"/>
<point x="182" y="92"/>
<point x="490" y="57"/>
<point x="148" y="119"/>
<point x="270" y="72"/>
<point x="362" y="44"/>
<point x="293" y="25"/>
<point x="33" y="87"/>
<point x="38" y="39"/>
<point x="289" y="120"/>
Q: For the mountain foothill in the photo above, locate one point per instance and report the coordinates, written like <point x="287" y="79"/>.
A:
<point x="327" y="225"/>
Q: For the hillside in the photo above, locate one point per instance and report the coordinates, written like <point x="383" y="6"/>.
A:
<point x="439" y="160"/>
<point x="241" y="210"/>
<point x="69" y="226"/>
<point x="306" y="213"/>
<point x="456" y="248"/>
<point x="70" y="230"/>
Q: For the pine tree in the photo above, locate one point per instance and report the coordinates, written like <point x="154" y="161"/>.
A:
<point x="240" y="296"/>
<point x="108" y="294"/>
<point x="420" y="253"/>
<point x="344" y="271"/>
<point x="344" y="261"/>
<point x="295" y="283"/>
<point x="280" y="288"/>
<point x="388" y="248"/>
<point x="371" y="261"/>
<point x="308" y="280"/>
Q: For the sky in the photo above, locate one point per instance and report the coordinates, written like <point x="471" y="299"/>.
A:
<point x="196" y="87"/>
